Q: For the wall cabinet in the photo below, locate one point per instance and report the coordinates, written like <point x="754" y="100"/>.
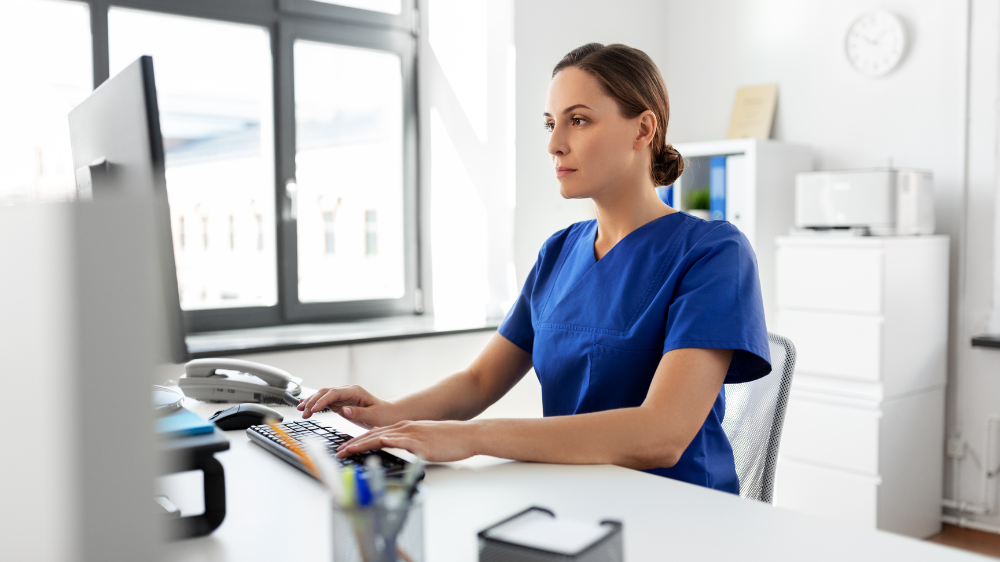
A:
<point x="864" y="431"/>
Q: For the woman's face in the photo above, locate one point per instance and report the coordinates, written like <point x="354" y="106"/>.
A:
<point x="593" y="147"/>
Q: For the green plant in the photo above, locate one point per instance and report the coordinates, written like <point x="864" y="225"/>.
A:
<point x="699" y="199"/>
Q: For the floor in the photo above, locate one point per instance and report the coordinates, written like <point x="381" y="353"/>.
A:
<point x="969" y="539"/>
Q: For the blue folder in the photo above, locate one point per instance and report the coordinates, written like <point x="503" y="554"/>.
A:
<point x="717" y="188"/>
<point x="666" y="194"/>
<point x="183" y="422"/>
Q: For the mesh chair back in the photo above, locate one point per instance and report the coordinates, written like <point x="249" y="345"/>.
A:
<point x="755" y="413"/>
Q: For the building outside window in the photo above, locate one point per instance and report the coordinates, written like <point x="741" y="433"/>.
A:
<point x="259" y="219"/>
<point x="371" y="234"/>
<point x="46" y="59"/>
<point x="328" y="236"/>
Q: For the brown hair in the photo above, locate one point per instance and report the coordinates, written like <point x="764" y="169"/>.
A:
<point x="630" y="77"/>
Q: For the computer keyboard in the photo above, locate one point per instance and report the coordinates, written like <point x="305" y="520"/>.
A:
<point x="264" y="436"/>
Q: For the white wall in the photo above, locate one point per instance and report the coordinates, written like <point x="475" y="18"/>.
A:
<point x="543" y="33"/>
<point x="466" y="150"/>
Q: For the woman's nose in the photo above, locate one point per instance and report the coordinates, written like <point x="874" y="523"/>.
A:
<point x="557" y="143"/>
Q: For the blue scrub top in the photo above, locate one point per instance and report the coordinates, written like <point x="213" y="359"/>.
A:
<point x="596" y="330"/>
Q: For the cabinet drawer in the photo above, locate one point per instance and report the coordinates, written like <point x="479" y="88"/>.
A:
<point x="841" y="345"/>
<point x="837" y="279"/>
<point x="841" y="496"/>
<point x="831" y="434"/>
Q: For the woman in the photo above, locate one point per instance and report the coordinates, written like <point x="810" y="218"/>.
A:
<point x="632" y="321"/>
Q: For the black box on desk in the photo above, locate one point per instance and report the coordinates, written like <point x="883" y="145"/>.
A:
<point x="536" y="535"/>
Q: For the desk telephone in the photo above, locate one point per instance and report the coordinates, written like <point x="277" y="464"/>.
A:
<point x="237" y="380"/>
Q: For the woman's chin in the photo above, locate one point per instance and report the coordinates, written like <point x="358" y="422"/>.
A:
<point x="569" y="191"/>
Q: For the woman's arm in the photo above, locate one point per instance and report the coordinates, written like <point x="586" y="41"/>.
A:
<point x="461" y="396"/>
<point x="655" y="434"/>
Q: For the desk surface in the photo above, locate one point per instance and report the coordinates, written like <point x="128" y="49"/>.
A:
<point x="277" y="513"/>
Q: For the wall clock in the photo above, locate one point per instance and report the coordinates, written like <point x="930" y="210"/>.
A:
<point x="876" y="43"/>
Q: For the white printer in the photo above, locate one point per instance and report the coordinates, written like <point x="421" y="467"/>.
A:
<point x="878" y="202"/>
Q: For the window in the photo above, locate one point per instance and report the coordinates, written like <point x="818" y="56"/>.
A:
<point x="290" y="141"/>
<point x="239" y="89"/>
<point x="387" y="6"/>
<point x="348" y="124"/>
<point x="45" y="53"/>
<point x="215" y="95"/>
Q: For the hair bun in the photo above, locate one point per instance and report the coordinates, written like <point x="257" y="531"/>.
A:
<point x="668" y="165"/>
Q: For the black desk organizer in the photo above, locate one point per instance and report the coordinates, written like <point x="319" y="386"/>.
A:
<point x="197" y="452"/>
<point x="606" y="549"/>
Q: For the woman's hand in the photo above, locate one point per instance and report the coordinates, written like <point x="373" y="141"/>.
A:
<point x="433" y="441"/>
<point x="354" y="403"/>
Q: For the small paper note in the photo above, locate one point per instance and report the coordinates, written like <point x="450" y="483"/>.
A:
<point x="753" y="112"/>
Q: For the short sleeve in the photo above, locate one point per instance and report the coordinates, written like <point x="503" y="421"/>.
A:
<point x="517" y="327"/>
<point x="718" y="304"/>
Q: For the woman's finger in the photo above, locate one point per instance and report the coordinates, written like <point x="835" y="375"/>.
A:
<point x="306" y="406"/>
<point x="358" y="445"/>
<point x="328" y="394"/>
<point x="369" y="440"/>
<point x="328" y="397"/>
<point x="415" y="446"/>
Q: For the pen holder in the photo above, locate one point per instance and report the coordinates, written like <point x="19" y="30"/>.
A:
<point x="365" y="534"/>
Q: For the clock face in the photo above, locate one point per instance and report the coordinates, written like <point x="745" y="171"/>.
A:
<point x="875" y="43"/>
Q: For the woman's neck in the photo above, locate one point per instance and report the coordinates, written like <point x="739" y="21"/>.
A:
<point x="625" y="211"/>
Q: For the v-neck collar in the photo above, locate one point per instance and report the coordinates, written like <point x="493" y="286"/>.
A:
<point x="593" y="237"/>
<point x="578" y="266"/>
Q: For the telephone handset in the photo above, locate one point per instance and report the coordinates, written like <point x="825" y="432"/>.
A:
<point x="237" y="380"/>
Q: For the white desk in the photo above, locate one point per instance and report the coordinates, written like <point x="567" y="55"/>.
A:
<point x="277" y="513"/>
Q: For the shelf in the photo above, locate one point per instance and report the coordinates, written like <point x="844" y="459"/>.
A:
<point x="986" y="340"/>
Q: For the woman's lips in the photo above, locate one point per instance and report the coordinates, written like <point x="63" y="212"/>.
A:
<point x="563" y="171"/>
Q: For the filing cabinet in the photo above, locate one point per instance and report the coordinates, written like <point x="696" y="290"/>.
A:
<point x="864" y="430"/>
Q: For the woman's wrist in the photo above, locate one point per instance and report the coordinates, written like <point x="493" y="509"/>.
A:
<point x="477" y="436"/>
<point x="393" y="412"/>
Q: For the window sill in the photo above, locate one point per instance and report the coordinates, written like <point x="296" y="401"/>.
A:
<point x="304" y="336"/>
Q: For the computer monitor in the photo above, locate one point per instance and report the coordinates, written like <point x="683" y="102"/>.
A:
<point x="118" y="152"/>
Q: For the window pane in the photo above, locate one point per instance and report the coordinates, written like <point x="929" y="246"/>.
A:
<point x="214" y="87"/>
<point x="45" y="57"/>
<point x="386" y="6"/>
<point x="349" y="169"/>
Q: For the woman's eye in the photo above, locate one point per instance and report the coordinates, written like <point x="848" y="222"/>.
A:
<point x="578" y="121"/>
<point x="548" y="126"/>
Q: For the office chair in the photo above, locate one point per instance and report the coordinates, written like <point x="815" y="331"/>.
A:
<point x="755" y="414"/>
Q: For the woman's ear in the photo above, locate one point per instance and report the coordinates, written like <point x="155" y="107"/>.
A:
<point x="647" y="129"/>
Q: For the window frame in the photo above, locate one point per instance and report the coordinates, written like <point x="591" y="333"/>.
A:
<point x="286" y="21"/>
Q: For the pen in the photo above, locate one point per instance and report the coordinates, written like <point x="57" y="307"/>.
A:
<point x="411" y="475"/>
<point x="363" y="491"/>
<point x="348" y="487"/>
<point x="376" y="478"/>
<point x="294" y="447"/>
<point x="328" y="470"/>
